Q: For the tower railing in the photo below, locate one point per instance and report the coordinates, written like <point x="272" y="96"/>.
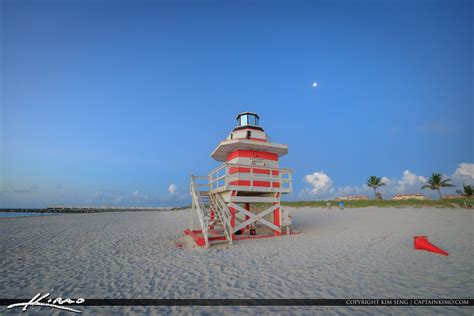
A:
<point x="250" y="178"/>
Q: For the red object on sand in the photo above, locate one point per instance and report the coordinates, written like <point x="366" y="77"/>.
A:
<point x="422" y="243"/>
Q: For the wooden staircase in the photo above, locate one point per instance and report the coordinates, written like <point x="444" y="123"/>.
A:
<point x="213" y="214"/>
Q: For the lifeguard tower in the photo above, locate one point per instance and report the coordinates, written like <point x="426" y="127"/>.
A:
<point x="240" y="199"/>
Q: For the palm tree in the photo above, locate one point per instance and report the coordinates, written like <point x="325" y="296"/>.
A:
<point x="436" y="182"/>
<point x="466" y="191"/>
<point x="375" y="182"/>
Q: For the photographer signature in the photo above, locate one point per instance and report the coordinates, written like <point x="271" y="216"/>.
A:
<point x="56" y="303"/>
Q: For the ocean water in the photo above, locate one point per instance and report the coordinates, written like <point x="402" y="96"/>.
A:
<point x="22" y="214"/>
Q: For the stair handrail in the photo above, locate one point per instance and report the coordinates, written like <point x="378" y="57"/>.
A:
<point x="200" y="210"/>
<point x="225" y="214"/>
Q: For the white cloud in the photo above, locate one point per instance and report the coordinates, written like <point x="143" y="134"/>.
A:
<point x="107" y="197"/>
<point x="320" y="185"/>
<point x="410" y="182"/>
<point x="435" y="127"/>
<point x="386" y="180"/>
<point x="465" y="171"/>
<point x="353" y="190"/>
<point x="173" y="189"/>
<point x="138" y="196"/>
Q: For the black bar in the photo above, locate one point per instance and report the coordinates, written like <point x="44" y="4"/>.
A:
<point x="261" y="302"/>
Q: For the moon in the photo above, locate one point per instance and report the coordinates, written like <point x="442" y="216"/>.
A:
<point x="315" y="84"/>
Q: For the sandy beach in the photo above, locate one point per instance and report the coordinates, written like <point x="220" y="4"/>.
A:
<point x="352" y="253"/>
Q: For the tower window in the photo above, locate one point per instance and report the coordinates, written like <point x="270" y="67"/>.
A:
<point x="247" y="118"/>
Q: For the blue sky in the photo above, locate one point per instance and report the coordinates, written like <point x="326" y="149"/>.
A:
<point x="112" y="102"/>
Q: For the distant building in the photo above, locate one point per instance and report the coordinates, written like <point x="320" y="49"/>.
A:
<point x="416" y="196"/>
<point x="352" y="198"/>
<point x="452" y="196"/>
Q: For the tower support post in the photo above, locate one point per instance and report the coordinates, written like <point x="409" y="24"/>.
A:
<point x="277" y="216"/>
<point x="247" y="207"/>
<point x="232" y="213"/>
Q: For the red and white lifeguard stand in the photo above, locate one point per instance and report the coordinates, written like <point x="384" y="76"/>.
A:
<point x="240" y="199"/>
